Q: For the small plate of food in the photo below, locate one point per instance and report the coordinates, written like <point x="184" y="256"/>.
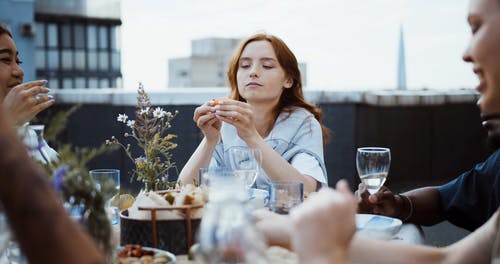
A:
<point x="136" y="254"/>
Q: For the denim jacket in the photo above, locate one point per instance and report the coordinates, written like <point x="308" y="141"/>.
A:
<point x="293" y="133"/>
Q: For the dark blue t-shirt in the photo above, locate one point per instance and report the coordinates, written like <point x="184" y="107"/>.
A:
<point x="471" y="199"/>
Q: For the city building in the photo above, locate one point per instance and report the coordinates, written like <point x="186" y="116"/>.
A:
<point x="70" y="43"/>
<point x="207" y="66"/>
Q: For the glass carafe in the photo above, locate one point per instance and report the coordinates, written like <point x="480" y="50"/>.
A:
<point x="227" y="233"/>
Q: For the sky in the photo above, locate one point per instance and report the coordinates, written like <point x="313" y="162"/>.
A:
<point x="347" y="44"/>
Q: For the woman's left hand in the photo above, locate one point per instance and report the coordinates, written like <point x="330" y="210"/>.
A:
<point x="240" y="115"/>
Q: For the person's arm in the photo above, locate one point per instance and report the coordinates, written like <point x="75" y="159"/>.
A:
<point x="475" y="248"/>
<point x="45" y="232"/>
<point x="420" y="206"/>
<point x="200" y="158"/>
<point x="204" y="118"/>
<point x="365" y="250"/>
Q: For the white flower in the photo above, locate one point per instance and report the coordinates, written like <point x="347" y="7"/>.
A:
<point x="131" y="123"/>
<point x="159" y="113"/>
<point x="140" y="159"/>
<point x="122" y="118"/>
<point x="144" y="111"/>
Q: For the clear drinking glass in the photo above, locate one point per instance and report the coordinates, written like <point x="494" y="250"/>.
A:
<point x="284" y="195"/>
<point x="246" y="163"/>
<point x="108" y="183"/>
<point x="373" y="166"/>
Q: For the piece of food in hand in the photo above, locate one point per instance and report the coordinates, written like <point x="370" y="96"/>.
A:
<point x="217" y="101"/>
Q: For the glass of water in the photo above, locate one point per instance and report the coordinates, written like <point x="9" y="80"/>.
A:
<point x="284" y="195"/>
<point x="108" y="183"/>
<point x="373" y="166"/>
<point x="246" y="163"/>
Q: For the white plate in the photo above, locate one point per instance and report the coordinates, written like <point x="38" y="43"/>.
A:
<point x="156" y="250"/>
<point x="377" y="226"/>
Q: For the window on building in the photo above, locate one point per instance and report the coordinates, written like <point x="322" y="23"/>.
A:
<point x="78" y="52"/>
<point x="68" y="83"/>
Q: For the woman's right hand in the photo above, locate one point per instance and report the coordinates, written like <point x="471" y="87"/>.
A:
<point x="204" y="117"/>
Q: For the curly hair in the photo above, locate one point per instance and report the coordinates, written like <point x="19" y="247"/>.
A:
<point x="292" y="97"/>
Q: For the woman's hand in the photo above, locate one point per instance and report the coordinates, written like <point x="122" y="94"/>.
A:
<point x="204" y="117"/>
<point x="26" y="100"/>
<point x="238" y="114"/>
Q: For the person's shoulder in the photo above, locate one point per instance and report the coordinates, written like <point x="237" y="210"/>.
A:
<point x="297" y="112"/>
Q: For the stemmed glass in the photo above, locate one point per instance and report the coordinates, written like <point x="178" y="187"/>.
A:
<point x="373" y="166"/>
<point x="245" y="163"/>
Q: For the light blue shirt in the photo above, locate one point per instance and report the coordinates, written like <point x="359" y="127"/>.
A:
<point x="295" y="132"/>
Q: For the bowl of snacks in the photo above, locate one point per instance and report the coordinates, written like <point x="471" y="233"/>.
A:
<point x="167" y="220"/>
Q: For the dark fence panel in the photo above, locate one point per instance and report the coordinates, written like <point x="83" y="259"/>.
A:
<point x="430" y="144"/>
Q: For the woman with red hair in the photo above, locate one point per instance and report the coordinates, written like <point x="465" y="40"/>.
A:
<point x="266" y="109"/>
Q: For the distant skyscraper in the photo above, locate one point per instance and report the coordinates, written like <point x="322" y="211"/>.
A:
<point x="401" y="62"/>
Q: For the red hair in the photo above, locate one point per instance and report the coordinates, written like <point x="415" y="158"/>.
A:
<point x="291" y="97"/>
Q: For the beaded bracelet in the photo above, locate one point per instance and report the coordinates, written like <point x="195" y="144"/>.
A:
<point x="411" y="207"/>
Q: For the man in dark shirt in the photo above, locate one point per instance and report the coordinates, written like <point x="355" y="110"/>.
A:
<point x="474" y="196"/>
<point x="469" y="200"/>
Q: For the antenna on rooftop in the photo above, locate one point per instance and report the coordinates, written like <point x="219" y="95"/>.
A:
<point x="401" y="62"/>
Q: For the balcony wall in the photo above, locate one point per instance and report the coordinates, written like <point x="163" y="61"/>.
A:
<point x="433" y="135"/>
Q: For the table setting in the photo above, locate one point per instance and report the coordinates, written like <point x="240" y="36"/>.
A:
<point x="210" y="220"/>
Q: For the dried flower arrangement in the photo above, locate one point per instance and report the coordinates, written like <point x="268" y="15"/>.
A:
<point x="149" y="131"/>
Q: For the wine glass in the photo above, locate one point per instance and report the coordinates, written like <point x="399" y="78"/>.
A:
<point x="373" y="166"/>
<point x="245" y="163"/>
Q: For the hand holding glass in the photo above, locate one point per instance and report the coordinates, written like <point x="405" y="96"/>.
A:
<point x="245" y="163"/>
<point x="373" y="166"/>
